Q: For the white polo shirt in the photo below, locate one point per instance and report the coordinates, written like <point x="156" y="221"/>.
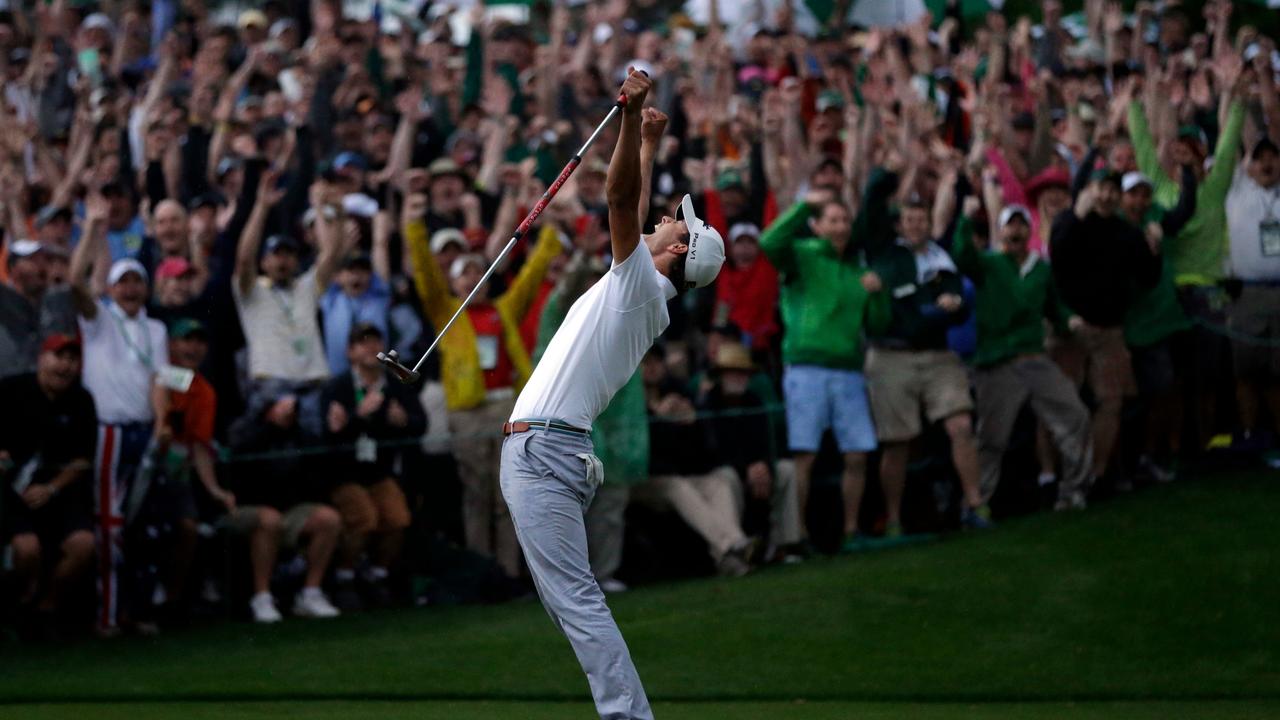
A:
<point x="121" y="355"/>
<point x="1253" y="225"/>
<point x="281" y="329"/>
<point x="599" y="344"/>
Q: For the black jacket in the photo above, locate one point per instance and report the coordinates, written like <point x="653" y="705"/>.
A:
<point x="1100" y="264"/>
<point x="391" y="440"/>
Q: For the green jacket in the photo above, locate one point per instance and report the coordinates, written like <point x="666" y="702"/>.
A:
<point x="1156" y="313"/>
<point x="1198" y="252"/>
<point x="824" y="306"/>
<point x="1012" y="304"/>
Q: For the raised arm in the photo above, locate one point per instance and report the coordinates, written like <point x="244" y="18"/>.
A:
<point x="652" y="124"/>
<point x="90" y="254"/>
<point x="330" y="235"/>
<point x="251" y="239"/>
<point x="622" y="185"/>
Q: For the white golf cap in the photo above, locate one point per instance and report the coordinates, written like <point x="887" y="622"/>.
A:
<point x="24" y="248"/>
<point x="449" y="236"/>
<point x="1133" y="179"/>
<point x="98" y="21"/>
<point x="123" y="267"/>
<point x="706" y="249"/>
<point x="743" y="229"/>
<point x="460" y="264"/>
<point x="1011" y="211"/>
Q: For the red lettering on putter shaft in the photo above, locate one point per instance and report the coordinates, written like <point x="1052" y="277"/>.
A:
<point x="546" y="196"/>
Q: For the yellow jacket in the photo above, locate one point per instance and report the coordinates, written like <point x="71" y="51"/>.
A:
<point x="459" y="359"/>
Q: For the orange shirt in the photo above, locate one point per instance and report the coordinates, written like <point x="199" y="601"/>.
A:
<point x="191" y="413"/>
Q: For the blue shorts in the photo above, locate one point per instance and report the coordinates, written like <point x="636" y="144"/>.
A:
<point x="821" y="398"/>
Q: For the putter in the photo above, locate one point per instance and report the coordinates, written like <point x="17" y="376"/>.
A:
<point x="391" y="359"/>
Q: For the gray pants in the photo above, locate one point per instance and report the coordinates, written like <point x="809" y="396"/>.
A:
<point x="548" y="481"/>
<point x="1002" y="391"/>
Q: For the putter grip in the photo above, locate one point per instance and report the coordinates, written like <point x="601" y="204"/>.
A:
<point x="622" y="99"/>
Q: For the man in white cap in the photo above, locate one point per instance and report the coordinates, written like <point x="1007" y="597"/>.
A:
<point x="123" y="352"/>
<point x="549" y="470"/>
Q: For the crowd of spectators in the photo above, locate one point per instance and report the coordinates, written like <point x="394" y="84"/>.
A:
<point x="953" y="236"/>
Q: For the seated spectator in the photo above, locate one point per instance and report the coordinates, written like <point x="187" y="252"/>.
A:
<point x="828" y="298"/>
<point x="30" y="308"/>
<point x="704" y="491"/>
<point x="366" y="412"/>
<point x="484" y="364"/>
<point x="184" y="488"/>
<point x="743" y="437"/>
<point x="1015" y="295"/>
<point x="277" y="305"/>
<point x="277" y="504"/>
<point x="46" y="453"/>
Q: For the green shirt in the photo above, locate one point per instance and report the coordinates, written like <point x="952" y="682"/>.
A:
<point x="1198" y="252"/>
<point x="1156" y="313"/>
<point x="824" y="306"/>
<point x="1012" y="301"/>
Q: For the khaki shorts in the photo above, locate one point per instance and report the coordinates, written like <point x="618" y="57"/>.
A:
<point x="901" y="382"/>
<point x="379" y="507"/>
<point x="244" y="519"/>
<point x="1097" y="356"/>
<point x="1256" y="314"/>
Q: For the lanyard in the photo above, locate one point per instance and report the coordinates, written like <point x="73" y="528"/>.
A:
<point x="286" y="307"/>
<point x="1269" y="213"/>
<point x="143" y="357"/>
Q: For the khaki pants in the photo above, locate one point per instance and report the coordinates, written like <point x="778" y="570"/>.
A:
<point x="1003" y="389"/>
<point x="606" y="523"/>
<point x="477" y="446"/>
<point x="711" y="504"/>
<point x="784" y="507"/>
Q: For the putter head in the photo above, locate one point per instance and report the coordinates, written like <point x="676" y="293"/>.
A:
<point x="392" y="361"/>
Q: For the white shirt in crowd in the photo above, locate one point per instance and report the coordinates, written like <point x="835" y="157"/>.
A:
<point x="600" y="343"/>
<point x="281" y="329"/>
<point x="121" y="356"/>
<point x="1253" y="224"/>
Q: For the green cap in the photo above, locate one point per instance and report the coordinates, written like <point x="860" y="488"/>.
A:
<point x="729" y="178"/>
<point x="184" y="328"/>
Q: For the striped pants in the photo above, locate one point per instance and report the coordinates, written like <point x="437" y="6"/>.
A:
<point x="120" y="451"/>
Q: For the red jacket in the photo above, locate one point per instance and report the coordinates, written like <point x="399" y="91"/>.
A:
<point x="750" y="297"/>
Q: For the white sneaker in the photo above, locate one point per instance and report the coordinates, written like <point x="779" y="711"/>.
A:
<point x="312" y="603"/>
<point x="612" y="585"/>
<point x="264" y="609"/>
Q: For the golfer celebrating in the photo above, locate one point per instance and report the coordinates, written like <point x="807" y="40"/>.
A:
<point x="549" y="473"/>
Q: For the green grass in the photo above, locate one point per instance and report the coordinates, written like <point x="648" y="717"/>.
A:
<point x="1163" y="604"/>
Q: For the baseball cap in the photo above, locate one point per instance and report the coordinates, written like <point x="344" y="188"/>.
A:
<point x="729" y="178"/>
<point x="98" y="21"/>
<point x="349" y="159"/>
<point x="229" y="163"/>
<point x="706" y="248"/>
<point x="358" y="260"/>
<point x="743" y="229"/>
<point x="446" y="237"/>
<point x="24" y="248"/>
<point x="206" y="199"/>
<point x="733" y="356"/>
<point x="1053" y="177"/>
<point x="830" y="100"/>
<point x="280" y="27"/>
<point x="1105" y="175"/>
<point x="252" y="17"/>
<point x="1012" y="211"/>
<point x="184" y="328"/>
<point x="173" y="267"/>
<point x="123" y="267"/>
<point x="1133" y="179"/>
<point x="363" y="331"/>
<point x="460" y="264"/>
<point x="58" y="342"/>
<point x="276" y="243"/>
<point x="443" y="166"/>
<point x="1193" y="132"/>
<point x="1263" y="145"/>
<point x="49" y="213"/>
